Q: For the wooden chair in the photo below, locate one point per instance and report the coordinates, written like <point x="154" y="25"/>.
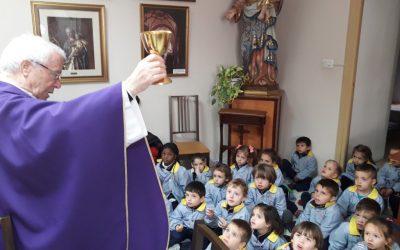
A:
<point x="201" y="231"/>
<point x="7" y="233"/>
<point x="184" y="128"/>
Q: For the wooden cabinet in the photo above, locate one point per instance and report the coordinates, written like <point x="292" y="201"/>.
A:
<point x="268" y="103"/>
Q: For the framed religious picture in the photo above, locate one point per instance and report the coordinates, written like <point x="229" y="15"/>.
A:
<point x="79" y="29"/>
<point x="176" y="20"/>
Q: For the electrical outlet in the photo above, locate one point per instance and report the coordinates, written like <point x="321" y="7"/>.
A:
<point x="328" y="63"/>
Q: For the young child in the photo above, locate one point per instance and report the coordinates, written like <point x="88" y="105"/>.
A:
<point x="361" y="154"/>
<point x="200" y="170"/>
<point x="305" y="236"/>
<point x="377" y="235"/>
<point x="267" y="228"/>
<point x="348" y="234"/>
<point x="190" y="209"/>
<point x="331" y="170"/>
<point x="365" y="179"/>
<point x="172" y="175"/>
<point x="389" y="180"/>
<point x="263" y="189"/>
<point x="236" y="235"/>
<point x="322" y="209"/>
<point x="231" y="208"/>
<point x="271" y="158"/>
<point x="243" y="157"/>
<point x="303" y="166"/>
<point x="216" y="188"/>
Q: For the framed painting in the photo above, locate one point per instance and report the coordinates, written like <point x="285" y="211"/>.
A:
<point x="176" y="20"/>
<point x="79" y="29"/>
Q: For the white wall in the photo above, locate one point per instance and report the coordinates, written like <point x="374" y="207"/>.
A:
<point x="309" y="30"/>
<point x="378" y="56"/>
<point x="212" y="41"/>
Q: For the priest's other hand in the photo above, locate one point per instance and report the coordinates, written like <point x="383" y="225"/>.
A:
<point x="148" y="71"/>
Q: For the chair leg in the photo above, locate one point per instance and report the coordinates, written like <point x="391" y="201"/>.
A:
<point x="6" y="227"/>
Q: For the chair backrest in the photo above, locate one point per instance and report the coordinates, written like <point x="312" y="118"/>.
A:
<point x="202" y="231"/>
<point x="6" y="233"/>
<point x="184" y="116"/>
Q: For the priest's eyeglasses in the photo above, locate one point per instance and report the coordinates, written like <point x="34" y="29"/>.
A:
<point x="56" y="74"/>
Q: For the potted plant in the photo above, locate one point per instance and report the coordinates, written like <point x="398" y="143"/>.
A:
<point x="228" y="86"/>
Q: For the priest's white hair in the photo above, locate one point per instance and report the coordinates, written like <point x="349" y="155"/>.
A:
<point x="27" y="47"/>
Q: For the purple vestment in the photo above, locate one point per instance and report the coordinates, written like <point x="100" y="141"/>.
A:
<point x="63" y="177"/>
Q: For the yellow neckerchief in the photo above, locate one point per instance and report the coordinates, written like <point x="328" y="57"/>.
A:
<point x="235" y="209"/>
<point x="206" y="169"/>
<point x="222" y="238"/>
<point x="273" y="188"/>
<point x="337" y="180"/>
<point x="174" y="169"/>
<point x="273" y="236"/>
<point x="353" y="230"/>
<point x="200" y="208"/>
<point x="284" y="246"/>
<point x="310" y="154"/>
<point x="328" y="204"/>
<point x="276" y="167"/>
<point x="373" y="195"/>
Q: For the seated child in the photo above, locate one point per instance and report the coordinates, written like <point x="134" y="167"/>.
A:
<point x="378" y="235"/>
<point x="263" y="189"/>
<point x="200" y="170"/>
<point x="243" y="157"/>
<point x="190" y="209"/>
<point x="322" y="209"/>
<point x="365" y="179"/>
<point x="305" y="236"/>
<point x="231" y="208"/>
<point x="389" y="180"/>
<point x="172" y="175"/>
<point x="348" y="234"/>
<point x="303" y="166"/>
<point x="271" y="158"/>
<point x="267" y="228"/>
<point x="331" y="170"/>
<point x="361" y="154"/>
<point x="236" y="235"/>
<point x="216" y="187"/>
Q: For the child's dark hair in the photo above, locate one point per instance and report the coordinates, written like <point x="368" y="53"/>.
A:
<point x="264" y="171"/>
<point x="368" y="168"/>
<point x="330" y="185"/>
<point x="338" y="167"/>
<point x="249" y="151"/>
<point x="383" y="224"/>
<point x="223" y="168"/>
<point x="172" y="146"/>
<point x="304" y="140"/>
<point x="239" y="182"/>
<point x="245" y="227"/>
<point x="366" y="151"/>
<point x="369" y="205"/>
<point x="310" y="230"/>
<point x="272" y="217"/>
<point x="272" y="154"/>
<point x="196" y="187"/>
<point x="202" y="158"/>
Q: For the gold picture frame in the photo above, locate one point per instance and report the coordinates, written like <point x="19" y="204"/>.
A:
<point x="79" y="29"/>
<point x="176" y="20"/>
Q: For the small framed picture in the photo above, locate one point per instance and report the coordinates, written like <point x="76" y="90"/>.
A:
<point x="176" y="20"/>
<point x="79" y="29"/>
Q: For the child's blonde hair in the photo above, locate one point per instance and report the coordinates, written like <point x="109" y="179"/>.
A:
<point x="310" y="230"/>
<point x="244" y="227"/>
<point x="384" y="225"/>
<point x="239" y="183"/>
<point x="338" y="167"/>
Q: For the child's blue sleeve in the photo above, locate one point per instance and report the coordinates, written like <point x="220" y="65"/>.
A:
<point x="176" y="217"/>
<point x="280" y="203"/>
<point x="331" y="220"/>
<point x="306" y="214"/>
<point x="309" y="169"/>
<point x="339" y="237"/>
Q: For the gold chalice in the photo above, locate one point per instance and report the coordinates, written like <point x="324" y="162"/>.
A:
<point x="156" y="42"/>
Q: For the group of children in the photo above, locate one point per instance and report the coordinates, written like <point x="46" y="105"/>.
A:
<point x="248" y="203"/>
